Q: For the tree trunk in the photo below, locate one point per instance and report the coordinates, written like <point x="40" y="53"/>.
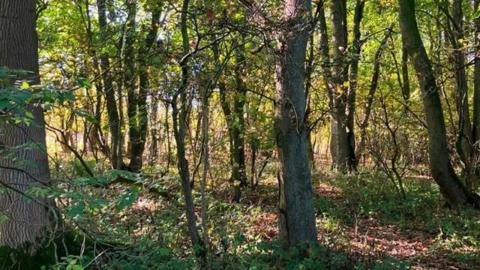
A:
<point x="476" y="100"/>
<point x="342" y="82"/>
<point x="464" y="140"/>
<point x="297" y="215"/>
<point x="234" y="116"/>
<point x="109" y="92"/>
<point x="371" y="94"/>
<point x="180" y="122"/>
<point x="405" y="75"/>
<point x="153" y="131"/>
<point x="442" y="171"/>
<point x="239" y="173"/>
<point x="476" y="94"/>
<point x="145" y="90"/>
<point x="28" y="222"/>
<point x="353" y="77"/>
<point x="130" y="81"/>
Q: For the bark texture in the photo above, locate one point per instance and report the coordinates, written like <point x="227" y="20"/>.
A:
<point x="28" y="221"/>
<point x="297" y="216"/>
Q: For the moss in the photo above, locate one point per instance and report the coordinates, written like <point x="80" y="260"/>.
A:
<point x="19" y="259"/>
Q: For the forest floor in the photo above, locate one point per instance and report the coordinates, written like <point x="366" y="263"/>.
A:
<point x="362" y="221"/>
<point x="403" y="233"/>
<point x="376" y="238"/>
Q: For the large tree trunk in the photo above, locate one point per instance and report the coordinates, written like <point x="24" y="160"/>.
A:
<point x="339" y="143"/>
<point x="297" y="215"/>
<point x="109" y="92"/>
<point x="442" y="171"/>
<point x="28" y="222"/>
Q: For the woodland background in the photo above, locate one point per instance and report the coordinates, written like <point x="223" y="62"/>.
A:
<point x="193" y="134"/>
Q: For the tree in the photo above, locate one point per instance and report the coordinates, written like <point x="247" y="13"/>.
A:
<point x="442" y="171"/>
<point x="109" y="91"/>
<point x="21" y="164"/>
<point x="180" y="121"/>
<point x="297" y="216"/>
<point x="340" y="73"/>
<point x="235" y="118"/>
<point x="465" y="140"/>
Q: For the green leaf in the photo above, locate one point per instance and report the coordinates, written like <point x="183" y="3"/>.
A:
<point x="127" y="200"/>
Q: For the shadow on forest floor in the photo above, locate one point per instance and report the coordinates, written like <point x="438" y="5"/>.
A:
<point x="363" y="223"/>
<point x="363" y="218"/>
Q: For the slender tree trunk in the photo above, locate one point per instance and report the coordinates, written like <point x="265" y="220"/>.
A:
<point x="353" y="82"/>
<point x="476" y="94"/>
<point x="96" y="139"/>
<point x="234" y="116"/>
<point x="143" y="93"/>
<point x="180" y="124"/>
<point x="205" y="161"/>
<point x="130" y="82"/>
<point x="464" y="140"/>
<point x="297" y="215"/>
<point x="153" y="131"/>
<point x="28" y="221"/>
<point x="309" y="67"/>
<point x="109" y="92"/>
<point x="342" y="97"/>
<point x="239" y="173"/>
<point x="371" y="94"/>
<point x="475" y="139"/>
<point x="405" y="75"/>
<point x="442" y="171"/>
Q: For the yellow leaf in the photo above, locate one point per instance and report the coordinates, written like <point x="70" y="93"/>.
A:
<point x="25" y="86"/>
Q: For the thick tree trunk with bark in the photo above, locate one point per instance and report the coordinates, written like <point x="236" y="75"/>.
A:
<point x="297" y="215"/>
<point x="442" y="171"/>
<point x="339" y="144"/>
<point x="28" y="221"/>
